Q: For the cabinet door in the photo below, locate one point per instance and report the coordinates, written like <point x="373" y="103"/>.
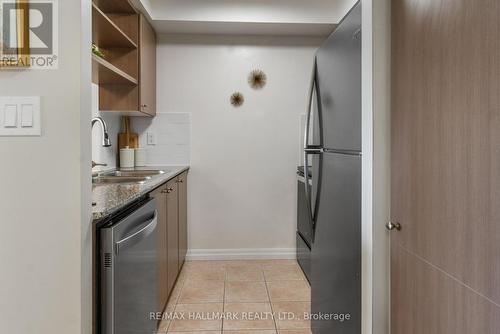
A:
<point x="182" y="183"/>
<point x="160" y="195"/>
<point x="172" y="233"/>
<point x="147" y="68"/>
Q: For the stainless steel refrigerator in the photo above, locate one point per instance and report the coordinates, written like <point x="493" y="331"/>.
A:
<point x="332" y="157"/>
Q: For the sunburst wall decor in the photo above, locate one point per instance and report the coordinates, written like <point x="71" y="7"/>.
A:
<point x="257" y="79"/>
<point x="237" y="99"/>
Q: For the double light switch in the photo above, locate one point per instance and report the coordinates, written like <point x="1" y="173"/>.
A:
<point x="20" y="116"/>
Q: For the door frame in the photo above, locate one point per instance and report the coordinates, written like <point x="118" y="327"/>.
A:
<point x="376" y="147"/>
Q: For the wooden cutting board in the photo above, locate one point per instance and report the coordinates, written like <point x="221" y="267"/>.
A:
<point x="127" y="138"/>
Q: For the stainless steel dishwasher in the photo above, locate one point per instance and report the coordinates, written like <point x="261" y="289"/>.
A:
<point x="128" y="271"/>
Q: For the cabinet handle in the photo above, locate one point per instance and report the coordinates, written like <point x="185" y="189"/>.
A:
<point x="180" y="181"/>
<point x="164" y="191"/>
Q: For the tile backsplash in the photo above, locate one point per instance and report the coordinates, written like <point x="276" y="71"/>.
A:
<point x="172" y="132"/>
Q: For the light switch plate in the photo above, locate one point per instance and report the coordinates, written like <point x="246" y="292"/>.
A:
<point x="151" y="138"/>
<point x="10" y="116"/>
<point x="20" y="116"/>
<point x="27" y="116"/>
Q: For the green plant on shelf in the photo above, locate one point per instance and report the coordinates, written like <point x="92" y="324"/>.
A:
<point x="97" y="51"/>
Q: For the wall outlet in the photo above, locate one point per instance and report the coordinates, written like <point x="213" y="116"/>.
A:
<point x="151" y="138"/>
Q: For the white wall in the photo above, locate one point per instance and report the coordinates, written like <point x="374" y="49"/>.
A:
<point x="41" y="196"/>
<point x="242" y="190"/>
<point x="86" y="243"/>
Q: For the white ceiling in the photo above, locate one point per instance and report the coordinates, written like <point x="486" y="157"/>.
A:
<point x="280" y="17"/>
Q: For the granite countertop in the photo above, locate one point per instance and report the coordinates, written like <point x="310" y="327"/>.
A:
<point x="110" y="198"/>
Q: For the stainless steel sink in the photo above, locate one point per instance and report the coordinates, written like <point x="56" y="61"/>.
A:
<point x="120" y="179"/>
<point x="132" y="173"/>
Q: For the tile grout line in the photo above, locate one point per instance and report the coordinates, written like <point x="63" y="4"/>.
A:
<point x="270" y="302"/>
<point x="176" y="299"/>
<point x="224" y="298"/>
<point x="261" y="267"/>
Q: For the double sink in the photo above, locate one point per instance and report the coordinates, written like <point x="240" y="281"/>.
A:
<point x="126" y="176"/>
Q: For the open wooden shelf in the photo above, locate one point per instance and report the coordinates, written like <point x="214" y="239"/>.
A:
<point x="116" y="6"/>
<point x="106" y="73"/>
<point x="127" y="74"/>
<point x="106" y="34"/>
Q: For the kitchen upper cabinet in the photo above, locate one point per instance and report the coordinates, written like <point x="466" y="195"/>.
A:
<point x="172" y="232"/>
<point x="147" y="67"/>
<point x="160" y="195"/>
<point x="124" y="66"/>
<point x="183" y="233"/>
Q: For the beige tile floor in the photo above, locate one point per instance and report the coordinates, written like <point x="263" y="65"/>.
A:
<point x="246" y="293"/>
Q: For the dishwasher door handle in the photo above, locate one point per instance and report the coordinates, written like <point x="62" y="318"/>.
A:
<point x="139" y="235"/>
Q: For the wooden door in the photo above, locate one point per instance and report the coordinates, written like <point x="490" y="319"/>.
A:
<point x="172" y="232"/>
<point x="182" y="182"/>
<point x="160" y="195"/>
<point x="445" y="261"/>
<point x="147" y="68"/>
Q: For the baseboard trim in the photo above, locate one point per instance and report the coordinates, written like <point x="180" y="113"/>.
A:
<point x="242" y="254"/>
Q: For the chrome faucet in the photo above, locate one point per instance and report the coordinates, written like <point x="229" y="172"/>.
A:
<point x="95" y="164"/>
<point x="105" y="137"/>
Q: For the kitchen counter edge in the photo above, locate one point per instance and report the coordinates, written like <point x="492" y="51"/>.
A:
<point x="117" y="197"/>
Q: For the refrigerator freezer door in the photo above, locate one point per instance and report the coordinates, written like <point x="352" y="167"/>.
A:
<point x="339" y="85"/>
<point x="336" y="252"/>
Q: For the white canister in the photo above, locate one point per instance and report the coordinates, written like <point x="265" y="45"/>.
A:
<point x="140" y="157"/>
<point x="127" y="158"/>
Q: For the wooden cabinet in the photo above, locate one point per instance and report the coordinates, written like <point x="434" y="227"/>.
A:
<point x="160" y="195"/>
<point x="171" y="203"/>
<point x="183" y="233"/>
<point x="126" y="68"/>
<point x="147" y="67"/>
<point x="172" y="232"/>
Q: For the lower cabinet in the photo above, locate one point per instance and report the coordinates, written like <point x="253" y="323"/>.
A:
<point x="172" y="232"/>
<point x="160" y="195"/>
<point x="171" y="201"/>
<point x="183" y="233"/>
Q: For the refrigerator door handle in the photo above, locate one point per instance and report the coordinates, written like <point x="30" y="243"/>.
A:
<point x="311" y="149"/>
<point x="307" y="150"/>
<point x="314" y="150"/>
<point x="306" y="186"/>
<point x="309" y="107"/>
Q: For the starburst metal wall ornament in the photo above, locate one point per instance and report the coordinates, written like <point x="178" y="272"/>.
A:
<point x="257" y="79"/>
<point x="237" y="99"/>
